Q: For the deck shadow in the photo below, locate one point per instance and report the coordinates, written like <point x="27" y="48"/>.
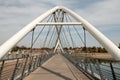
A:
<point x="58" y="74"/>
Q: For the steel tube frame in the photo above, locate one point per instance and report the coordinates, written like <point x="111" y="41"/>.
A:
<point x="22" y="33"/>
<point x="59" y="23"/>
<point x="104" y="41"/>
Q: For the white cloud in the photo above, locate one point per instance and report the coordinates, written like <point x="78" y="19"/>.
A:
<point x="105" y="15"/>
<point x="102" y="13"/>
<point x="15" y="14"/>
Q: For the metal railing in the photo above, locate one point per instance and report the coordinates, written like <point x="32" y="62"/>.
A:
<point x="18" y="67"/>
<point x="94" y="68"/>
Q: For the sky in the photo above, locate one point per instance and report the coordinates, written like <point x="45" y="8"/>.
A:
<point x="103" y="14"/>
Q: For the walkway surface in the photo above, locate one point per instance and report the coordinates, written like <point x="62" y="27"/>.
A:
<point x="57" y="68"/>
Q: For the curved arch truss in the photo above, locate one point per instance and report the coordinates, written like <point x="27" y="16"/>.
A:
<point x="58" y="13"/>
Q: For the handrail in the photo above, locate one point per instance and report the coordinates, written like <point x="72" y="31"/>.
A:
<point x="95" y="67"/>
<point x="19" y="67"/>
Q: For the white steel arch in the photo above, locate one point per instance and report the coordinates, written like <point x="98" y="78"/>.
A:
<point x="104" y="41"/>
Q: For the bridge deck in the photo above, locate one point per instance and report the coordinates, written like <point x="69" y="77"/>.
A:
<point x="57" y="68"/>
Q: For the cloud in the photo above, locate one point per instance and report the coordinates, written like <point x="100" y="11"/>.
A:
<point x="102" y="13"/>
<point x="15" y="14"/>
<point x="105" y="16"/>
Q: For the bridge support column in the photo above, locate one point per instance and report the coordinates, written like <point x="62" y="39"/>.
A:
<point x="58" y="46"/>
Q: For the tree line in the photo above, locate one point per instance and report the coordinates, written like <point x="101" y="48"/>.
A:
<point x="93" y="49"/>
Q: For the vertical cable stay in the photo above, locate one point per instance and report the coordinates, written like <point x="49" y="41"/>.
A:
<point x="49" y="36"/>
<point x="53" y="28"/>
<point x="45" y="41"/>
<point x="62" y="39"/>
<point x="53" y="40"/>
<point x="39" y="34"/>
<point x="70" y="33"/>
<point x="66" y="37"/>
<point x="77" y="31"/>
<point x="71" y="37"/>
<point x="32" y="40"/>
<point x="46" y="37"/>
<point x="52" y="37"/>
<point x="57" y="17"/>
<point x="79" y="35"/>
<point x="85" y="39"/>
<point x="53" y="32"/>
<point x="45" y="26"/>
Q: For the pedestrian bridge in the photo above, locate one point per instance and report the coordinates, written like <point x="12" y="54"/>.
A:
<point x="57" y="68"/>
<point x="64" y="54"/>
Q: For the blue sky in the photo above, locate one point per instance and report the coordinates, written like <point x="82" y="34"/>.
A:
<point x="103" y="14"/>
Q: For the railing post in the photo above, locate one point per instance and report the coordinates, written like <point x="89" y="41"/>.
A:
<point x="81" y="62"/>
<point x="39" y="61"/>
<point x="35" y="61"/>
<point x="1" y="68"/>
<point x="91" y="67"/>
<point x="22" y="75"/>
<point x="85" y="64"/>
<point x="16" y="67"/>
<point x="112" y="70"/>
<point x="98" y="68"/>
<point x="30" y="64"/>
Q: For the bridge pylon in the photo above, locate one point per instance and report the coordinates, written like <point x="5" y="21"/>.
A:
<point x="58" y="46"/>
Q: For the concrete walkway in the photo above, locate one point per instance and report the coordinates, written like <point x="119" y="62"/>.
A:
<point x="57" y="68"/>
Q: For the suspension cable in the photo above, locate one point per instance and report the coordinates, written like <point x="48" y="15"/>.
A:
<point x="66" y="37"/>
<point x="51" y="37"/>
<point x="71" y="37"/>
<point x="48" y="38"/>
<point x="47" y="35"/>
<point x="85" y="40"/>
<point x="77" y="32"/>
<point x="53" y="40"/>
<point x="32" y="40"/>
<point x="39" y="34"/>
<point x="46" y="21"/>
<point x="70" y="33"/>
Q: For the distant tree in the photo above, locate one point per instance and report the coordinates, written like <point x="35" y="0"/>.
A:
<point x="23" y="48"/>
<point x="15" y="48"/>
<point x="93" y="49"/>
<point x="84" y="49"/>
<point x="119" y="45"/>
<point x="70" y="48"/>
<point x="104" y="50"/>
<point x="65" y="48"/>
<point x="99" y="49"/>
